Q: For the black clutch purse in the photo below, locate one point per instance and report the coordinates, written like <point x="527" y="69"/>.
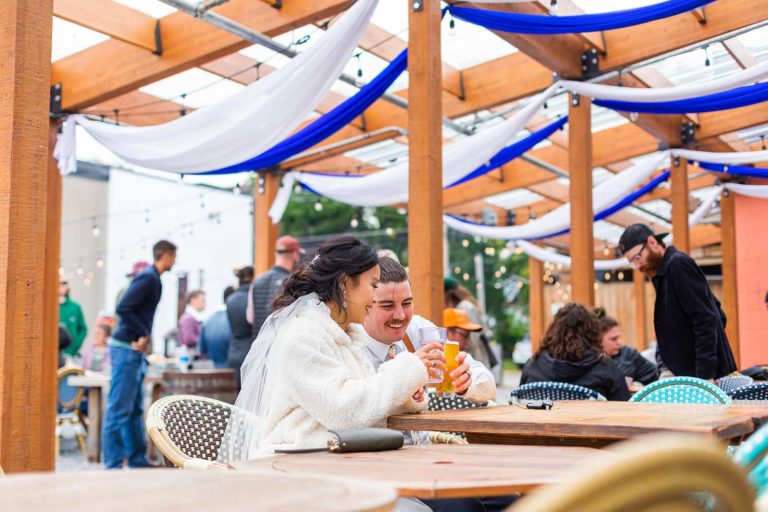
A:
<point x="365" y="440"/>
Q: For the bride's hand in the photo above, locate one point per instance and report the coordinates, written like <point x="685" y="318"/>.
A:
<point x="433" y="358"/>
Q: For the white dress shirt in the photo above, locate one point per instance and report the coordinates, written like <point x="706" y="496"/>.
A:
<point x="483" y="386"/>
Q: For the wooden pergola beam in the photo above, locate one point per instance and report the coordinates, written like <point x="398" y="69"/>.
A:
<point x="114" y="20"/>
<point x="28" y="316"/>
<point x="187" y="42"/>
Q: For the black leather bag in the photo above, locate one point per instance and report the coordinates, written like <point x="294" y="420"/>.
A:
<point x="365" y="440"/>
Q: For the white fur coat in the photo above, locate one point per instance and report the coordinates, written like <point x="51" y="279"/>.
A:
<point x="323" y="381"/>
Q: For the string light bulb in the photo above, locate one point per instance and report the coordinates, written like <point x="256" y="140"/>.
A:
<point x="100" y="263"/>
<point x="95" y="229"/>
<point x="465" y="243"/>
<point x="553" y="6"/>
<point x="707" y="62"/>
<point x="237" y="190"/>
<point x="354" y="223"/>
<point x="465" y="276"/>
<point x="318" y="206"/>
<point x="620" y="276"/>
<point x="389" y="231"/>
<point x="607" y="276"/>
<point x="762" y="141"/>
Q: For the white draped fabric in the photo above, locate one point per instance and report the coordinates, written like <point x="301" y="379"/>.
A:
<point x="390" y="186"/>
<point x="735" y="158"/>
<point x="705" y="206"/>
<point x="547" y="256"/>
<point x="604" y="196"/>
<point x="241" y="126"/>
<point x="614" y="92"/>
<point x="758" y="191"/>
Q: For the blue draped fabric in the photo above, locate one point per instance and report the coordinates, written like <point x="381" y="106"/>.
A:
<point x="740" y="97"/>
<point x="326" y="125"/>
<point x="545" y="24"/>
<point x="513" y="151"/>
<point x="620" y="205"/>
<point x="735" y="170"/>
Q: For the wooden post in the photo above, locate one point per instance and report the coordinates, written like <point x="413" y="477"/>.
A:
<point x="641" y="333"/>
<point x="679" y="198"/>
<point x="536" y="301"/>
<point x="580" y="167"/>
<point x="425" y="181"/>
<point x="264" y="232"/>
<point x="730" y="295"/>
<point x="27" y="387"/>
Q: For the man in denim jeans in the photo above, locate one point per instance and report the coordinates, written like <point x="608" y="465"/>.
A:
<point x="123" y="425"/>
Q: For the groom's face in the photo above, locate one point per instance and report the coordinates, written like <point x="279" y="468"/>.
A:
<point x="391" y="312"/>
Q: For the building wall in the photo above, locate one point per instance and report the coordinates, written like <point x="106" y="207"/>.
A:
<point x="84" y="204"/>
<point x="212" y="229"/>
<point x="752" y="279"/>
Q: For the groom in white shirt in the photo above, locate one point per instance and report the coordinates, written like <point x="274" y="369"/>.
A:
<point x="390" y="326"/>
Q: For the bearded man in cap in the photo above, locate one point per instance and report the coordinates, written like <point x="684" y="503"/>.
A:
<point x="688" y="319"/>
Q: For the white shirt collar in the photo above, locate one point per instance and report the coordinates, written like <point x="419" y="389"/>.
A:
<point x="378" y="348"/>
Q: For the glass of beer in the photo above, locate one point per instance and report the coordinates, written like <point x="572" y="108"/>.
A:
<point x="429" y="335"/>
<point x="446" y="388"/>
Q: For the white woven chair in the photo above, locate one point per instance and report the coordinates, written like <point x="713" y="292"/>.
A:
<point x="188" y="430"/>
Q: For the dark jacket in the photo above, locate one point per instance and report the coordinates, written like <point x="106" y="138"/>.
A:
<point x="631" y="363"/>
<point x="240" y="343"/>
<point x="265" y="289"/>
<point x="591" y="371"/>
<point x="137" y="307"/>
<point x="689" y="323"/>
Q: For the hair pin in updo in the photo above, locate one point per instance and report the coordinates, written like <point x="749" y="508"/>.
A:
<point x="317" y="257"/>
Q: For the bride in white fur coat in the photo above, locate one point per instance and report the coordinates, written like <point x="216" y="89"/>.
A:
<point x="304" y="375"/>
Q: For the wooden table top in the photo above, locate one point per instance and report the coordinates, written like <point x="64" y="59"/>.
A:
<point x="440" y="470"/>
<point x="164" y="490"/>
<point x="588" y="419"/>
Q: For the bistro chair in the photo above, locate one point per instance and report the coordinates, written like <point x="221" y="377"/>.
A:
<point x="669" y="473"/>
<point x="757" y="391"/>
<point x="553" y="391"/>
<point x="681" y="390"/>
<point x="446" y="403"/>
<point x="733" y="383"/>
<point x="188" y="430"/>
<point x="68" y="406"/>
<point x="751" y="455"/>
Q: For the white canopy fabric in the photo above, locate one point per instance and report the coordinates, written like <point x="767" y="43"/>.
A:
<point x="548" y="256"/>
<point x="735" y="158"/>
<point x="604" y="195"/>
<point x="757" y="191"/>
<point x="390" y="186"/>
<point x="679" y="92"/>
<point x="242" y="125"/>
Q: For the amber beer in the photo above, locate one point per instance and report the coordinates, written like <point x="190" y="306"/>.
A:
<point x="451" y="352"/>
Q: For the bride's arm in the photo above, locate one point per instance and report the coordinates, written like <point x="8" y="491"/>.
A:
<point x="324" y="387"/>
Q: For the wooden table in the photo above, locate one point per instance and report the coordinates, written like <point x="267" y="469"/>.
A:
<point x="439" y="470"/>
<point x="160" y="490"/>
<point x="587" y="423"/>
<point x="98" y="390"/>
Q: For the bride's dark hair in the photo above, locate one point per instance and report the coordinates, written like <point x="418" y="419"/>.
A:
<point x="336" y="257"/>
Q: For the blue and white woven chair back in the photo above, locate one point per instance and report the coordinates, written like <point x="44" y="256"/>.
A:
<point x="751" y="455"/>
<point x="446" y="403"/>
<point x="729" y="384"/>
<point x="681" y="390"/>
<point x="553" y="391"/>
<point x="757" y="391"/>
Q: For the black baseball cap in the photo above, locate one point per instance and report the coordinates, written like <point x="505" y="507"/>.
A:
<point x="637" y="234"/>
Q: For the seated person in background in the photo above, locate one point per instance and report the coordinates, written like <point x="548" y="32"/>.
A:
<point x="571" y="352"/>
<point x="65" y="340"/>
<point x="216" y="333"/>
<point x="459" y="327"/>
<point x="96" y="358"/>
<point x="630" y="362"/>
